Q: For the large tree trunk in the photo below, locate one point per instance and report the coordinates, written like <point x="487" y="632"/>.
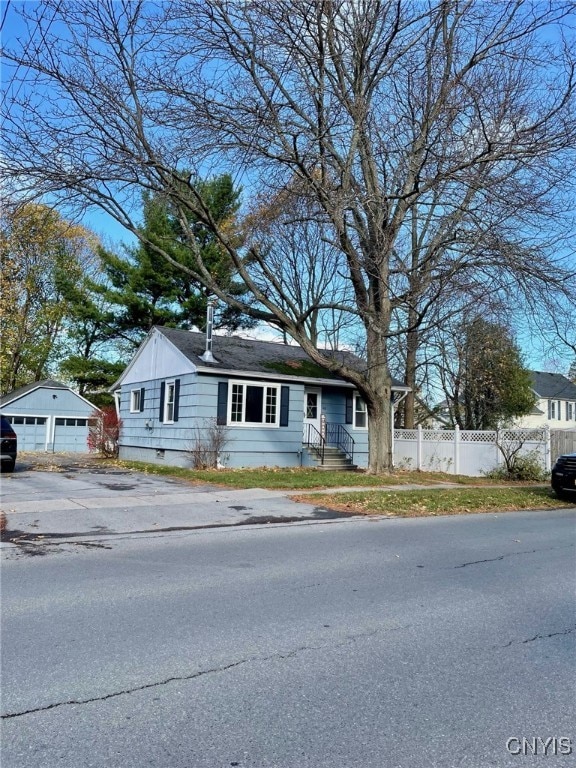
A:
<point x="379" y="406"/>
<point x="412" y="342"/>
<point x="380" y="437"/>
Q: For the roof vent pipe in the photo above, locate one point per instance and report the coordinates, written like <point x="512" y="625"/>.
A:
<point x="208" y="357"/>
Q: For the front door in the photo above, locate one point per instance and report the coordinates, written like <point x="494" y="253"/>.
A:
<point x="312" y="412"/>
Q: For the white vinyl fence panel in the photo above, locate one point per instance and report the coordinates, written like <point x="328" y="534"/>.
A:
<point x="461" y="452"/>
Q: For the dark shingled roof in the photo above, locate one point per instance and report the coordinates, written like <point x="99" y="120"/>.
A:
<point x="553" y="385"/>
<point x="251" y="355"/>
<point x="15" y="394"/>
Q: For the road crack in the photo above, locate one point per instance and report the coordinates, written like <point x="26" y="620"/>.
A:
<point x="184" y="678"/>
<point x="512" y="554"/>
<point x="538" y="637"/>
<point x="127" y="691"/>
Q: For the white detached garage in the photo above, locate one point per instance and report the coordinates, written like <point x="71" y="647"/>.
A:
<point x="48" y="416"/>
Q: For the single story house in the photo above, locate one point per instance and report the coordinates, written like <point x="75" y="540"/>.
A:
<point x="48" y="416"/>
<point x="273" y="405"/>
<point x="556" y="402"/>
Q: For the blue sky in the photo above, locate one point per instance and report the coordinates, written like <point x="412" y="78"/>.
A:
<point x="536" y="354"/>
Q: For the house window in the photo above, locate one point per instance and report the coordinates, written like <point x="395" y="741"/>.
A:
<point x="271" y="404"/>
<point x="169" y="400"/>
<point x="569" y="411"/>
<point x="71" y="422"/>
<point x="311" y="405"/>
<point x="253" y="404"/>
<point x="135" y="400"/>
<point x="553" y="409"/>
<point x="360" y="413"/>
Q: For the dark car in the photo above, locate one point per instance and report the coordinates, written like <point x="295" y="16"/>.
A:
<point x="8" y="445"/>
<point x="564" y="476"/>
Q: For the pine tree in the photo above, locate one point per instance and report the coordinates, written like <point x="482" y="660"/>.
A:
<point x="148" y="290"/>
<point x="493" y="386"/>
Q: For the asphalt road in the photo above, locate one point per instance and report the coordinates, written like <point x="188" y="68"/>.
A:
<point x="350" y="644"/>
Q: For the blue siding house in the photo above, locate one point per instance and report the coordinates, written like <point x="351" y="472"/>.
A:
<point x="274" y="405"/>
<point x="48" y="416"/>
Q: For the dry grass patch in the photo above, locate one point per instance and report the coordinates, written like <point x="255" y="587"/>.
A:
<point x="432" y="502"/>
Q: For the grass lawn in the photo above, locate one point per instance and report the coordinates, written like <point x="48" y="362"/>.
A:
<point x="473" y="494"/>
<point x="435" y="501"/>
<point x="299" y="478"/>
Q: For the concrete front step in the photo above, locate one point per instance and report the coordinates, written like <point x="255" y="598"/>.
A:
<point x="336" y="468"/>
<point x="334" y="461"/>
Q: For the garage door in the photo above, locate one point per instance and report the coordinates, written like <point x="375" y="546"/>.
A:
<point x="71" y="435"/>
<point x="31" y="432"/>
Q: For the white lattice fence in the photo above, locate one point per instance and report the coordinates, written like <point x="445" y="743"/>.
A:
<point x="463" y="452"/>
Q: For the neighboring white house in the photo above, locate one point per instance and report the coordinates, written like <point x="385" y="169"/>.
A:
<point x="556" y="404"/>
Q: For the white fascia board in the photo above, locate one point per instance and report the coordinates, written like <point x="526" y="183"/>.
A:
<point x="15" y="399"/>
<point x="285" y="377"/>
<point x="25" y="394"/>
<point x="56" y="389"/>
<point x="156" y="358"/>
<point x="81" y="397"/>
<point x="237" y="374"/>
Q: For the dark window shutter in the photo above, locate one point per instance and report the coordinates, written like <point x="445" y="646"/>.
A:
<point x="221" y="413"/>
<point x="349" y="409"/>
<point x="284" y="405"/>
<point x="162" y="396"/>
<point x="549" y="409"/>
<point x="176" y="398"/>
<point x="142" y="391"/>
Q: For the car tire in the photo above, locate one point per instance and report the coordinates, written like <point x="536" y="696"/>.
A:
<point x="8" y="466"/>
<point x="560" y="494"/>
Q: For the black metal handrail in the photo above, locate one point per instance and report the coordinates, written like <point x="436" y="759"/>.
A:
<point x="313" y="439"/>
<point x="339" y="436"/>
<point x="336" y="435"/>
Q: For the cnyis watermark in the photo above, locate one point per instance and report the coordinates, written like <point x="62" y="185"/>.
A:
<point x="552" y="745"/>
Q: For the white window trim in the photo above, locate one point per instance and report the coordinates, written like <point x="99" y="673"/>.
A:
<point x="253" y="424"/>
<point x="133" y="392"/>
<point x="171" y="383"/>
<point x="354" y="413"/>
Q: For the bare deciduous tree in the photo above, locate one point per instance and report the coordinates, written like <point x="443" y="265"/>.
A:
<point x="410" y="125"/>
<point x="294" y="241"/>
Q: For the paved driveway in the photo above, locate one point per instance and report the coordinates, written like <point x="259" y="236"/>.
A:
<point x="56" y="497"/>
